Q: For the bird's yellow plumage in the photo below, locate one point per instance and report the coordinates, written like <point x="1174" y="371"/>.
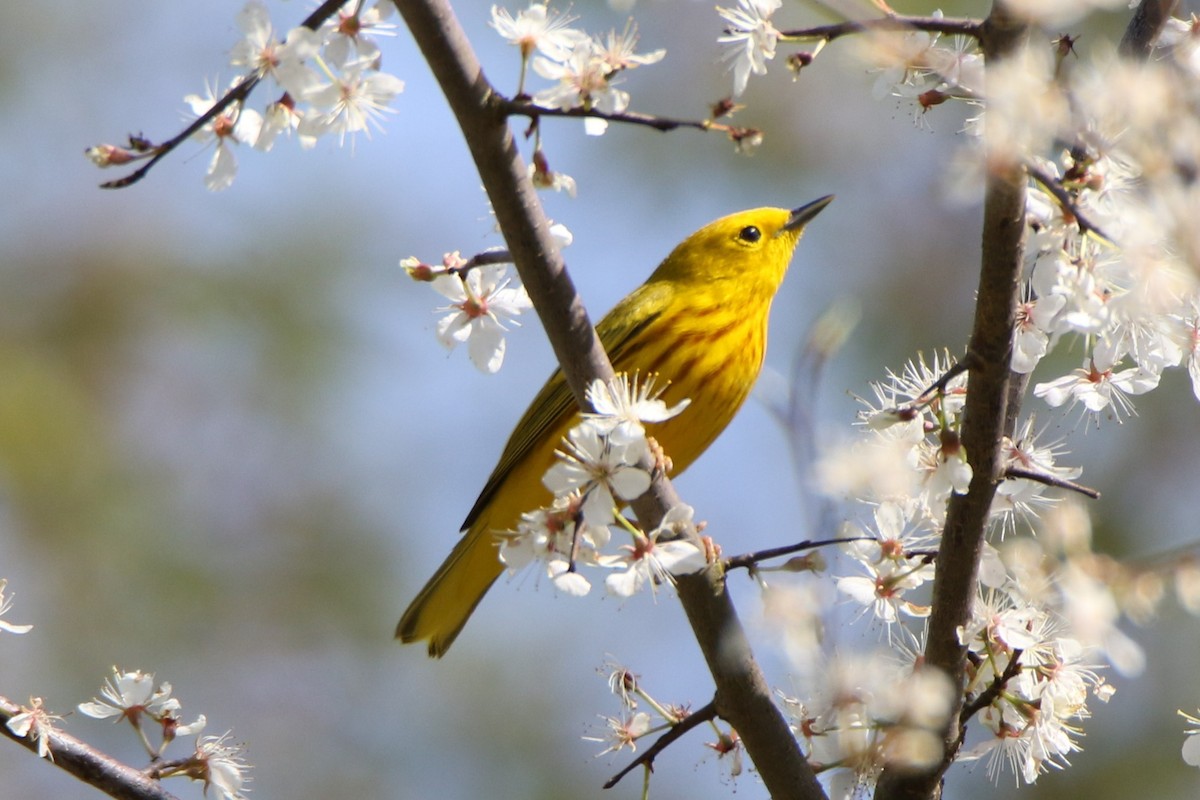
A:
<point x="699" y="322"/>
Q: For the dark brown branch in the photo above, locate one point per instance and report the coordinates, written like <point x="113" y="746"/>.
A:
<point x="984" y="418"/>
<point x="88" y="764"/>
<point x="744" y="698"/>
<point x="488" y="257"/>
<point x="1144" y="27"/>
<point x="933" y="392"/>
<point x="484" y="259"/>
<point x="168" y="768"/>
<point x="1051" y="480"/>
<point x="751" y="560"/>
<point x="1066" y="200"/>
<point x="895" y="23"/>
<point x="237" y="94"/>
<point x="992" y="692"/>
<point x="526" y="108"/>
<point x="692" y="720"/>
<point x="958" y="368"/>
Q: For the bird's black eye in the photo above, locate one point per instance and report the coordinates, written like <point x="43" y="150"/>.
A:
<point x="750" y="233"/>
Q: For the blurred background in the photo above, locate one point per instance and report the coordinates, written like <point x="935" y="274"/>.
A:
<point x="232" y="450"/>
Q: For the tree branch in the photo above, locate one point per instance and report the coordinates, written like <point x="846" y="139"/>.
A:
<point x="1051" y="480"/>
<point x="88" y="764"/>
<point x="993" y="691"/>
<point x="692" y="720"/>
<point x="1143" y="29"/>
<point x="751" y="561"/>
<point x="984" y="418"/>
<point x="892" y="23"/>
<point x="484" y="259"/>
<point x="527" y="108"/>
<point x="742" y="694"/>
<point x="236" y="94"/>
<point x="1055" y="187"/>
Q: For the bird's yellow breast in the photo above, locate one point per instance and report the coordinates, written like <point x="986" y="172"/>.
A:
<point x="709" y="356"/>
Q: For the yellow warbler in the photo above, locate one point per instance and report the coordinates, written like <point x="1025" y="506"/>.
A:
<point x="699" y="322"/>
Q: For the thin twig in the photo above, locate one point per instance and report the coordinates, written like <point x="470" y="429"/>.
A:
<point x="697" y="717"/>
<point x="898" y="23"/>
<point x="486" y="258"/>
<point x="956" y="369"/>
<point x="166" y="768"/>
<point x="1051" y="480"/>
<point x="236" y="94"/>
<point x="1055" y="187"/>
<point x="992" y="692"/>
<point x="87" y="763"/>
<point x="751" y="560"/>
<point x="526" y="108"/>
<point x="932" y="392"/>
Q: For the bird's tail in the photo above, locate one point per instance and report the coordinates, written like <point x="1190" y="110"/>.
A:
<point x="442" y="608"/>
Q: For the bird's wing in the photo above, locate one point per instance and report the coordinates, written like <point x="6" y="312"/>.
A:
<point x="554" y="404"/>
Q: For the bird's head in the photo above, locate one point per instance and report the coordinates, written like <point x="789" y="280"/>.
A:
<point x="750" y="247"/>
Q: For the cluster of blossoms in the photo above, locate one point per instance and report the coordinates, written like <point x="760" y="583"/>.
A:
<point x="1136" y="306"/>
<point x="599" y="470"/>
<point x="132" y="696"/>
<point x="585" y="69"/>
<point x="1027" y="680"/>
<point x="5" y="605"/>
<point x="632" y="723"/>
<point x="1046" y="617"/>
<point x="330" y="79"/>
<point x="1048" y="608"/>
<point x="863" y="712"/>
<point x="912" y="64"/>
<point x="1112" y="254"/>
<point x="1017" y="646"/>
<point x="922" y="68"/>
<point x="906" y="464"/>
<point x="1112" y="261"/>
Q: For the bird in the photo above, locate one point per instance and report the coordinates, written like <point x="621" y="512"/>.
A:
<point x="699" y="324"/>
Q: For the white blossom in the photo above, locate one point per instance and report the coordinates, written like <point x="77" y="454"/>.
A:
<point x="654" y="559"/>
<point x="481" y="304"/>
<point x="233" y="125"/>
<point x="749" y="38"/>
<point x="350" y="102"/>
<point x="128" y="695"/>
<point x="537" y="28"/>
<point x="600" y="470"/>
<point x="5" y="605"/>
<point x="622" y="405"/>
<point x="34" y="723"/>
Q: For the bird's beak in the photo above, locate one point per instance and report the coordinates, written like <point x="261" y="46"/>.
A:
<point x="804" y="214"/>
